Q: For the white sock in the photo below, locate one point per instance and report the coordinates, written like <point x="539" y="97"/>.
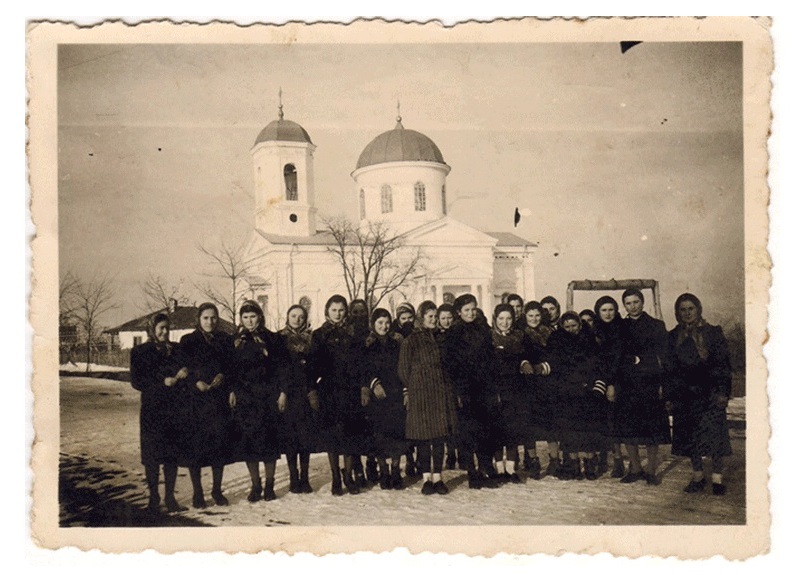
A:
<point x="510" y="467"/>
<point x="426" y="476"/>
<point x="436" y="477"/>
<point x="500" y="466"/>
<point x="697" y="475"/>
<point x="716" y="478"/>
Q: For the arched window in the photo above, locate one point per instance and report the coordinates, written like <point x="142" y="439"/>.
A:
<point x="420" y="202"/>
<point x="385" y="199"/>
<point x="444" y="199"/>
<point x="291" y="182"/>
<point x="362" y="206"/>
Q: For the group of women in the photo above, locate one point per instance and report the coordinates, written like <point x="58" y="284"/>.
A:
<point x="437" y="385"/>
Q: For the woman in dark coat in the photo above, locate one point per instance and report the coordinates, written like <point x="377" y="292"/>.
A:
<point x="429" y="398"/>
<point x="446" y="317"/>
<point x="300" y="435"/>
<point x="539" y="421"/>
<point x="379" y="356"/>
<point x="580" y="394"/>
<point x="359" y="321"/>
<point x="641" y="418"/>
<point x="258" y="397"/>
<point x="469" y="359"/>
<point x="207" y="416"/>
<point x="336" y="380"/>
<point x="512" y="368"/>
<point x="156" y="370"/>
<point x="700" y="372"/>
<point x="607" y="329"/>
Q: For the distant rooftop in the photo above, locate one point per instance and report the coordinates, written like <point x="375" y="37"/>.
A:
<point x="183" y="317"/>
<point x="508" y="239"/>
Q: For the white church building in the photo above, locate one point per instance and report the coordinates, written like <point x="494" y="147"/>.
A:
<point x="400" y="181"/>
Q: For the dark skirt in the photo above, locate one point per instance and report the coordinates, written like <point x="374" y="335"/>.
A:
<point x="479" y="425"/>
<point x="344" y="427"/>
<point x="300" y="428"/>
<point x="539" y="423"/>
<point x="701" y="430"/>
<point x="160" y="435"/>
<point x="640" y="415"/>
<point x="256" y="429"/>
<point x="206" y="422"/>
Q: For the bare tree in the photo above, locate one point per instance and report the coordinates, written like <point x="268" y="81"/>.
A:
<point x="232" y="265"/>
<point x="92" y="299"/>
<point x="66" y="299"/>
<point x="374" y="261"/>
<point x="158" y="293"/>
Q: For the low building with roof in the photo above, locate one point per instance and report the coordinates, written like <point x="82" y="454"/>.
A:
<point x="183" y="321"/>
<point x="399" y="182"/>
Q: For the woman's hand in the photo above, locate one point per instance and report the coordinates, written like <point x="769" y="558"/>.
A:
<point x="282" y="402"/>
<point x="232" y="400"/>
<point x="170" y="381"/>
<point x="378" y="390"/>
<point x="217" y="381"/>
<point x="526" y="368"/>
<point x="405" y="400"/>
<point x="611" y="393"/>
<point x="365" y="394"/>
<point x="182" y="373"/>
<point x="202" y="386"/>
<point x="314" y="400"/>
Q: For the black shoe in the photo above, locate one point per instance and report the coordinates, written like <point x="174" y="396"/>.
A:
<point x="440" y="487"/>
<point x="718" y="489"/>
<point x="632" y="477"/>
<point x="491" y="480"/>
<point x="372" y="471"/>
<point x="554" y="468"/>
<point x="695" y="486"/>
<point x="475" y="480"/>
<point x="410" y="469"/>
<point x="578" y="474"/>
<point x="567" y="471"/>
<point x="218" y="498"/>
<point x="294" y="482"/>
<point x="256" y="493"/>
<point x="533" y="467"/>
<point x="153" y="508"/>
<point x="603" y="463"/>
<point x="305" y="486"/>
<point x="172" y="506"/>
<point x="427" y="488"/>
<point x="513" y="478"/>
<point x="618" y="469"/>
<point x="397" y="480"/>
<point x="451" y="462"/>
<point x="653" y="479"/>
<point x="591" y="469"/>
<point x="270" y="493"/>
<point x="336" y="488"/>
<point x="502" y="477"/>
<point x="385" y="481"/>
<point x="352" y="488"/>
<point x="198" y="501"/>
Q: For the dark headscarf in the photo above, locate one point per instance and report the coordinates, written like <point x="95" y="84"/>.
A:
<point x="604" y="300"/>
<point x="305" y="325"/>
<point x="633" y="291"/>
<point x="153" y="321"/>
<point x="337" y="298"/>
<point x="692" y="331"/>
<point x="462" y="300"/>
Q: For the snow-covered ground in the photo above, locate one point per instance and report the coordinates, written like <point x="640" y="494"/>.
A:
<point x="102" y="483"/>
<point x="79" y="367"/>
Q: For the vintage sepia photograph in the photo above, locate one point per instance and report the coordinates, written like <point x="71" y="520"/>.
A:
<point x="498" y="275"/>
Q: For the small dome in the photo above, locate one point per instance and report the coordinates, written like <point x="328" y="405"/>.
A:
<point x="283" y="131"/>
<point x="400" y="145"/>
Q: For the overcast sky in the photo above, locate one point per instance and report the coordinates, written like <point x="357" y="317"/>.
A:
<point x="630" y="163"/>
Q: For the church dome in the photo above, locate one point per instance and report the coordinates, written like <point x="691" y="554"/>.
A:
<point x="399" y="145"/>
<point x="283" y="131"/>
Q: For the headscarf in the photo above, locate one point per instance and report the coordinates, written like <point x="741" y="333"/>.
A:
<point x="337" y="298"/>
<point x="502" y="307"/>
<point x="633" y="291"/>
<point x="297" y="340"/>
<point x="373" y="335"/>
<point x="250" y="306"/>
<point x="446" y="307"/>
<point x="208" y="336"/>
<point x="463" y="300"/>
<point x="305" y="325"/>
<point x="163" y="346"/>
<point x="694" y="331"/>
<point x="600" y="303"/>
<point x="402" y="308"/>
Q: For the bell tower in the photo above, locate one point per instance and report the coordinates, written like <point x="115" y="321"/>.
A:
<point x="283" y="158"/>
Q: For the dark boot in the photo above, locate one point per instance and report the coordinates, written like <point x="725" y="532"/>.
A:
<point x="475" y="480"/>
<point x="533" y="467"/>
<point x="270" y="492"/>
<point x="218" y="498"/>
<point x="410" y="464"/>
<point x="350" y="483"/>
<point x="372" y="470"/>
<point x="591" y="469"/>
<point x="256" y="491"/>
<point x="553" y="470"/>
<point x="303" y="482"/>
<point x="452" y="460"/>
<point x="603" y="463"/>
<point x="336" y="483"/>
<point x="618" y="469"/>
<point x="154" y="503"/>
<point x="396" y="479"/>
<point x="198" y="500"/>
<point x="294" y="482"/>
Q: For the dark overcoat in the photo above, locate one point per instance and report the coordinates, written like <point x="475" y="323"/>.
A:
<point x="511" y="351"/>
<point x="260" y="363"/>
<point x="640" y="415"/>
<point x="699" y="372"/>
<point x="431" y="399"/>
<point x="300" y="431"/>
<point x="206" y="415"/>
<point x="469" y="359"/>
<point x="336" y="377"/>
<point x="150" y="364"/>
